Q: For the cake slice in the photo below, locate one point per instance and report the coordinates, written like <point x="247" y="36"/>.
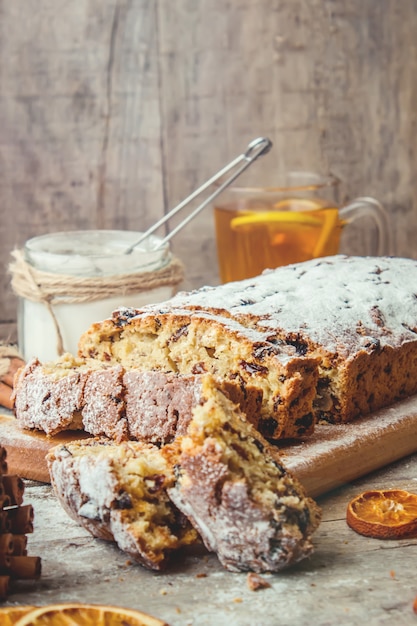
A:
<point x="49" y="399"/>
<point x="235" y="491"/>
<point x="117" y="491"/>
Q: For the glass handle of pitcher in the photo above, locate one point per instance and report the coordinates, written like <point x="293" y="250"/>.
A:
<point x="370" y="208"/>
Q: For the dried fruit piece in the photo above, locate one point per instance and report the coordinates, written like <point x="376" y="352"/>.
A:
<point x="388" y="514"/>
<point x="88" y="615"/>
<point x="11" y="615"/>
<point x="256" y="582"/>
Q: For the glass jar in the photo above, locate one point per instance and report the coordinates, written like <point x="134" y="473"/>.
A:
<point x="80" y="277"/>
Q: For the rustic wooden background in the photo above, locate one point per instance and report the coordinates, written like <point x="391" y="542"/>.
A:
<point x="111" y="111"/>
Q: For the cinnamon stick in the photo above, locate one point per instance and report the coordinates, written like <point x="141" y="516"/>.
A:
<point x="4" y="587"/>
<point x="4" y="501"/>
<point x="3" y="460"/>
<point x="7" y="545"/>
<point x="19" y="545"/>
<point x="15" y="364"/>
<point x="5" y="523"/>
<point x="14" y="488"/>
<point x="20" y="567"/>
<point x="6" y="395"/>
<point x="21" y="519"/>
<point x="25" y="567"/>
<point x="5" y="563"/>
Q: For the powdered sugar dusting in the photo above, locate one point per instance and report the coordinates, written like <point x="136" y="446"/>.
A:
<point x="97" y="481"/>
<point x="332" y="299"/>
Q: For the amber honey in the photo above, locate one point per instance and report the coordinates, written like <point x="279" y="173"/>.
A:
<point x="253" y="238"/>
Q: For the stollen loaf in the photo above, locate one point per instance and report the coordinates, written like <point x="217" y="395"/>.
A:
<point x="352" y="321"/>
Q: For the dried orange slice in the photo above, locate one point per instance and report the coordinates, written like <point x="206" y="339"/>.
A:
<point x="10" y="615"/>
<point x="390" y="514"/>
<point x="86" y="615"/>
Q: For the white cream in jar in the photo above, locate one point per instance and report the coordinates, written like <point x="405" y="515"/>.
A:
<point x="85" y="275"/>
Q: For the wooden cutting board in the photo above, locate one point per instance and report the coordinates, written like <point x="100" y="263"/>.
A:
<point x="332" y="456"/>
<point x="26" y="450"/>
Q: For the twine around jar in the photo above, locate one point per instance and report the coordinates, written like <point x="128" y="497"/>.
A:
<point x="51" y="289"/>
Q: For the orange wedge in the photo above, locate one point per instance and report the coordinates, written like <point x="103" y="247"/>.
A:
<point x="86" y="615"/>
<point x="390" y="514"/>
<point x="9" y="616"/>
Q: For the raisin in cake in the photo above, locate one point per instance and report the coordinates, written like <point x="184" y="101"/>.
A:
<point x="356" y="315"/>
<point x="104" y="399"/>
<point x="172" y="339"/>
<point x="118" y="493"/>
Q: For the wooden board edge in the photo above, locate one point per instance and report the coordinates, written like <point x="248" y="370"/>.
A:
<point x="353" y="450"/>
<point x="27" y="450"/>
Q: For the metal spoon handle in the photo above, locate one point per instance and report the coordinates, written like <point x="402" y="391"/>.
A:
<point x="255" y="149"/>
